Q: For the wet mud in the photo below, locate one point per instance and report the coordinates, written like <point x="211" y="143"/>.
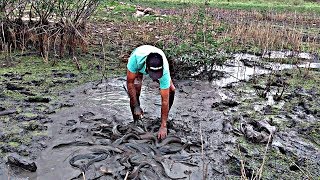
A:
<point x="214" y="132"/>
<point x="97" y="136"/>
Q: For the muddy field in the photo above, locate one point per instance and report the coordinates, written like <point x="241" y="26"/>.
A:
<point x="243" y="110"/>
<point x="217" y="130"/>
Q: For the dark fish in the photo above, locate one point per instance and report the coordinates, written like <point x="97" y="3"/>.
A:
<point x="92" y="158"/>
<point x="73" y="143"/>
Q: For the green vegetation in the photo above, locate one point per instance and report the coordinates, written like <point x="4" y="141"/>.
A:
<point x="114" y="12"/>
<point x="12" y="94"/>
<point x="198" y="28"/>
<point x="307" y="79"/>
<point x="263" y="5"/>
<point x="294" y="5"/>
<point x="29" y="115"/>
<point x="13" y="144"/>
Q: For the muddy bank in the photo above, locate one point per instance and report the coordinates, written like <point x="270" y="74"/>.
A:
<point x="25" y="106"/>
<point x="27" y="98"/>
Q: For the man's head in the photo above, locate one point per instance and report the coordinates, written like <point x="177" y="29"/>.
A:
<point x="154" y="65"/>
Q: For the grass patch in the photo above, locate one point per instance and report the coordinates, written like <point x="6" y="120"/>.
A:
<point x="4" y="119"/>
<point x="13" y="144"/>
<point x="164" y="3"/>
<point x="114" y="11"/>
<point x="29" y="115"/>
<point x="270" y="6"/>
<point x="307" y="79"/>
<point x="262" y="5"/>
<point x="39" y="133"/>
<point x="13" y="94"/>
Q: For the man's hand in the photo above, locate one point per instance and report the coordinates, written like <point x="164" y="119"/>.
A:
<point x="138" y="111"/>
<point x="162" y="133"/>
<point x="134" y="91"/>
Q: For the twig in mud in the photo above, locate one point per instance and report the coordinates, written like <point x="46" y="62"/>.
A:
<point x="125" y="88"/>
<point x="252" y="174"/>
<point x="233" y="75"/>
<point x="259" y="172"/>
<point x="84" y="176"/>
<point x="243" y="171"/>
<point x="206" y="171"/>
<point x="77" y="63"/>
<point x="127" y="174"/>
<point x="8" y="172"/>
<point x="104" y="66"/>
<point x="309" y="177"/>
<point x="202" y="154"/>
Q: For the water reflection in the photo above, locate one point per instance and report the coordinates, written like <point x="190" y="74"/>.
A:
<point x="244" y="66"/>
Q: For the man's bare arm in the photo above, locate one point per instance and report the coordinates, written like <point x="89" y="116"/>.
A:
<point x="131" y="89"/>
<point x="164" y="113"/>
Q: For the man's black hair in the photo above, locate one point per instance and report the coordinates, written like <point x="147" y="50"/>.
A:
<point x="152" y="57"/>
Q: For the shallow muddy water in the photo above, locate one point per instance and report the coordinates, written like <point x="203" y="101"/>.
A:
<point x="97" y="136"/>
<point x="107" y="104"/>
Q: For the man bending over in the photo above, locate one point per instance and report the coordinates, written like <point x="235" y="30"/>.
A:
<point x="151" y="61"/>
